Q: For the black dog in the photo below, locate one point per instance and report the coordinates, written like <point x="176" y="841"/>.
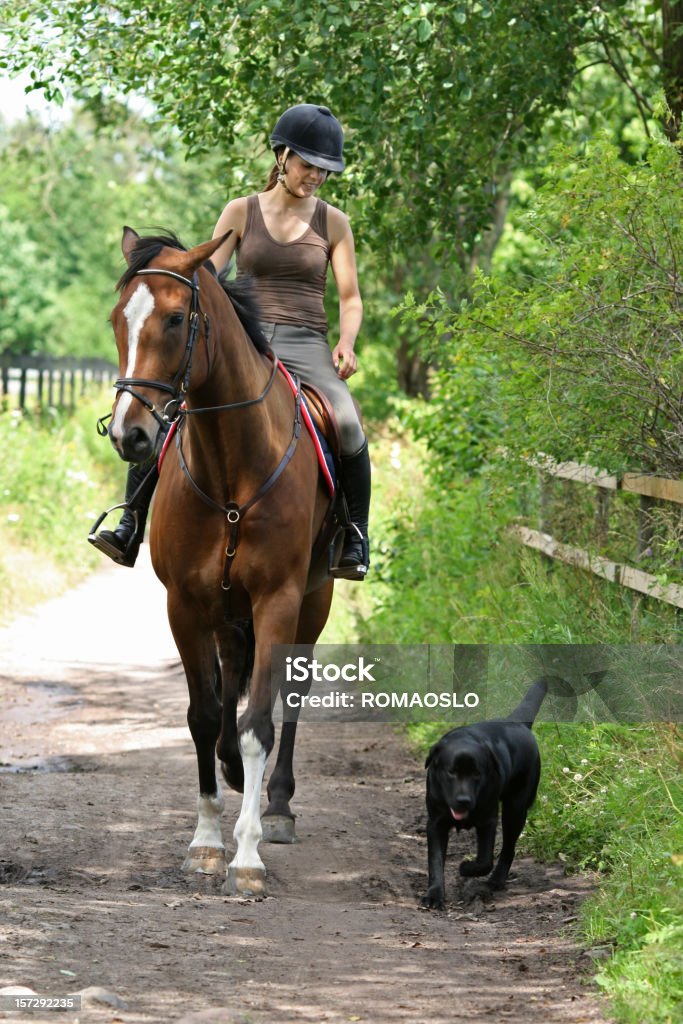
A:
<point x="470" y="771"/>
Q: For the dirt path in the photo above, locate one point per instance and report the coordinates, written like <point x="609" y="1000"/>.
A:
<point x="97" y="790"/>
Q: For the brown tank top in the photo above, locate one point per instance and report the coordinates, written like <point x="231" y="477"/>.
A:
<point x="289" y="277"/>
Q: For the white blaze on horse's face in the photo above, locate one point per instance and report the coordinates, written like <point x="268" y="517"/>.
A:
<point x="139" y="308"/>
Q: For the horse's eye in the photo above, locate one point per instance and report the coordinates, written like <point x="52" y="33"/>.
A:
<point x="176" y="319"/>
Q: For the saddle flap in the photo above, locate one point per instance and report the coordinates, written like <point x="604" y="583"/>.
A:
<point x="324" y="417"/>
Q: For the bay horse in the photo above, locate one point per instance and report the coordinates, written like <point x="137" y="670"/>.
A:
<point x="237" y="510"/>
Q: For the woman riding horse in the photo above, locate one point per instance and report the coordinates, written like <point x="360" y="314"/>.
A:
<point x="285" y="238"/>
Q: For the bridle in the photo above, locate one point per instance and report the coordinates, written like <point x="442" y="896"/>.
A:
<point x="178" y="386"/>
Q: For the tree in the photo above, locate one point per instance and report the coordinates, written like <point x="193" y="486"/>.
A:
<point x="582" y="360"/>
<point x="437" y="99"/>
<point x="28" y="314"/>
<point x="68" y="192"/>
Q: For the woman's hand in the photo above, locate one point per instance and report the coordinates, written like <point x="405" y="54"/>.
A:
<point x="344" y="359"/>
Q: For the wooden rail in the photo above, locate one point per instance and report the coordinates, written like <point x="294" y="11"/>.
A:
<point x="50" y="381"/>
<point x="637" y="483"/>
<point x="650" y="489"/>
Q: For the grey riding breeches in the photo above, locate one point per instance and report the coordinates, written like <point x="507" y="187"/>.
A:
<point x="307" y="354"/>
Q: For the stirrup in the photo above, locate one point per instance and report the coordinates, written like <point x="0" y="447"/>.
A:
<point x="125" y="556"/>
<point x="355" y="571"/>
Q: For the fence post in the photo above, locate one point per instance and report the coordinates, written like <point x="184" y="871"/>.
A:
<point x="56" y="378"/>
<point x="645" y="526"/>
<point x="602" y="509"/>
<point x="545" y="512"/>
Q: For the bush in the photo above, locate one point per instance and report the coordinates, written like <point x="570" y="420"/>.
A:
<point x="583" y="360"/>
<point x="58" y="475"/>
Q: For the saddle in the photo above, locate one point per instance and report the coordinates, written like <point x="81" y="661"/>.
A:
<point x="318" y="409"/>
<point x="324" y="419"/>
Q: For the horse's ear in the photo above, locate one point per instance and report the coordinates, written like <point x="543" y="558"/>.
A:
<point x="193" y="258"/>
<point x="128" y="241"/>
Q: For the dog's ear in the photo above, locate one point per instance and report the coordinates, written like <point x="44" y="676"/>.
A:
<point x="432" y="754"/>
<point x="493" y="758"/>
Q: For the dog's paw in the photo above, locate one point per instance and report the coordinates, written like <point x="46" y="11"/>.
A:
<point x="474" y="868"/>
<point x="433" y="901"/>
<point x="496" y="881"/>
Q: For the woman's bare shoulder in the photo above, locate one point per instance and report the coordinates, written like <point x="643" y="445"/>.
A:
<point x="338" y="224"/>
<point x="235" y="212"/>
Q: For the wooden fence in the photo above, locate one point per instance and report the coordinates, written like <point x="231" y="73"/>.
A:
<point x="50" y="381"/>
<point x="650" y="488"/>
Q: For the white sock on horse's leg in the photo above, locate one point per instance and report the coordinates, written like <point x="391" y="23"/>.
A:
<point x="209" y="810"/>
<point x="248" y="830"/>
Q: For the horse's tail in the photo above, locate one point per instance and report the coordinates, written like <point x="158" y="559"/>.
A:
<point x="249" y="652"/>
<point x="245" y="656"/>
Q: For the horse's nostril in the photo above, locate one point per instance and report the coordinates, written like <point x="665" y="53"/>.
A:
<point x="137" y="439"/>
<point x="136" y="446"/>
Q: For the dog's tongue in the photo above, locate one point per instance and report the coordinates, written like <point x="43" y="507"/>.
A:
<point x="458" y="815"/>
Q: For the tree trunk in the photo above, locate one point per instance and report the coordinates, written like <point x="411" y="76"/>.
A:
<point x="672" y="64"/>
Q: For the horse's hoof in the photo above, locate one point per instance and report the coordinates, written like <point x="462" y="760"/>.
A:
<point x="277" y="828"/>
<point x="245" y="882"/>
<point x="205" y="860"/>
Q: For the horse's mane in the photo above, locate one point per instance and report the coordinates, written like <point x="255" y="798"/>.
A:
<point x="240" y="292"/>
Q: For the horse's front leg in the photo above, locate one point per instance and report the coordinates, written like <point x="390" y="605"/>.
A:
<point x="276" y="622"/>
<point x="206" y="854"/>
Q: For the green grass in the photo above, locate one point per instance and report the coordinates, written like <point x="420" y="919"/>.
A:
<point x="470" y="583"/>
<point x="445" y="571"/>
<point x="611" y="801"/>
<point x="57" y="475"/>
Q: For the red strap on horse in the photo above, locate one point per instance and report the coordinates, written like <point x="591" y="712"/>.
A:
<point x="310" y="426"/>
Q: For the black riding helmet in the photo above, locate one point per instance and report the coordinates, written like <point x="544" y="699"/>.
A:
<point x="313" y="133"/>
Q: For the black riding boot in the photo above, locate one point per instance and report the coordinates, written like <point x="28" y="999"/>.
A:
<point x="355" y="557"/>
<point x="123" y="543"/>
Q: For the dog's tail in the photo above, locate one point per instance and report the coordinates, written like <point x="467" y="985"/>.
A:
<point x="527" y="709"/>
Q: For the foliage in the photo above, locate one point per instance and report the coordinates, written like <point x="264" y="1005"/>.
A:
<point x="470" y="584"/>
<point x="28" y="309"/>
<point x="610" y="799"/>
<point x="582" y="359"/>
<point x="57" y="475"/>
<point x="69" y="192"/>
<point x="437" y="98"/>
